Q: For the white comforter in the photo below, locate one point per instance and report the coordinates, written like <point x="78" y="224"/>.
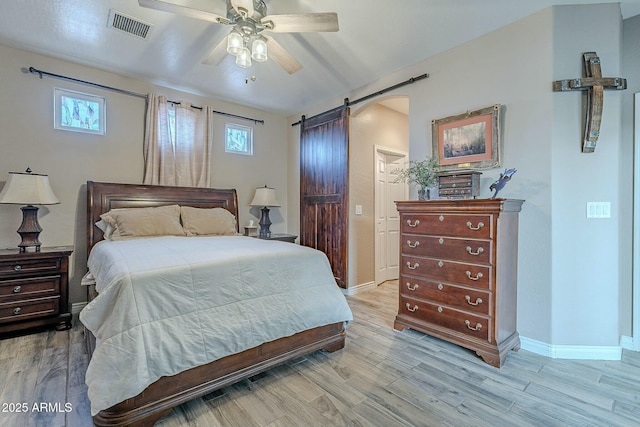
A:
<point x="167" y="304"/>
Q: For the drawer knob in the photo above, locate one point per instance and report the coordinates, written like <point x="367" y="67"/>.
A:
<point x="439" y="309"/>
<point x="473" y="328"/>
<point x="17" y="310"/>
<point x="412" y="309"/>
<point x="410" y="267"/>
<point x="471" y="252"/>
<point x="17" y="267"/>
<point x="440" y="287"/>
<point x="477" y="277"/>
<point x="471" y="227"/>
<point x="17" y="289"/>
<point x="415" y="224"/>
<point x="413" y="245"/>
<point x="468" y="298"/>
<point x="415" y="286"/>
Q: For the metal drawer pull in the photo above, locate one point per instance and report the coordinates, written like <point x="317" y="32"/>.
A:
<point x="415" y="224"/>
<point x="477" y="327"/>
<point x="17" y="310"/>
<point x="470" y="251"/>
<point x="478" y="276"/>
<point x="471" y="227"/>
<point x="413" y="245"/>
<point x="17" y="289"/>
<point x="415" y="308"/>
<point x="17" y="268"/>
<point x="468" y="298"/>
<point x="415" y="286"/>
<point x="416" y="265"/>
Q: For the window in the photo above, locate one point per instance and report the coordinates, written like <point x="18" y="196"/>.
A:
<point x="238" y="139"/>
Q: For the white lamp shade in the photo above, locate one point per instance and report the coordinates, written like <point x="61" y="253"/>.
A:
<point x="28" y="189"/>
<point x="235" y="43"/>
<point x="244" y="58"/>
<point x="259" y="50"/>
<point x="265" y="196"/>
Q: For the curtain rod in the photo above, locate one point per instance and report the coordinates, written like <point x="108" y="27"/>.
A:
<point x="126" y="92"/>
<point x="348" y="103"/>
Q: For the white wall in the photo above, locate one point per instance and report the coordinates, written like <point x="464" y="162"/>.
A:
<point x="71" y="158"/>
<point x="568" y="270"/>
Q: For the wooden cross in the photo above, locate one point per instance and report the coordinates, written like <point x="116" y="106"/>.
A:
<point x="594" y="85"/>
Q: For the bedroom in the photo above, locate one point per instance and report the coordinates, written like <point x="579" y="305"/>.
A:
<point x="575" y="275"/>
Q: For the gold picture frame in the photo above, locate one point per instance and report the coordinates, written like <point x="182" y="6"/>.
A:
<point x="468" y="141"/>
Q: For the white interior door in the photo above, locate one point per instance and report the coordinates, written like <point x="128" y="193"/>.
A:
<point x="387" y="221"/>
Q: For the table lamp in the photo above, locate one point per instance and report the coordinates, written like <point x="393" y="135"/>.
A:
<point x="265" y="197"/>
<point x="27" y="188"/>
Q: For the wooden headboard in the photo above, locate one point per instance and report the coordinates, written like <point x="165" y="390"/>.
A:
<point x="103" y="196"/>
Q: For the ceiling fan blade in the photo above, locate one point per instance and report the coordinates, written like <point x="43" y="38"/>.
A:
<point x="282" y="57"/>
<point x="183" y="10"/>
<point x="301" y="23"/>
<point x="243" y="7"/>
<point x="217" y="54"/>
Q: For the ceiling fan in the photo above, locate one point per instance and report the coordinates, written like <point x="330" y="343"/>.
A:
<point x="249" y="19"/>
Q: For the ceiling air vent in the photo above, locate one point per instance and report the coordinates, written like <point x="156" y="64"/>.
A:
<point x="128" y="24"/>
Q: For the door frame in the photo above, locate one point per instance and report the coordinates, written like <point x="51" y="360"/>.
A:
<point x="380" y="149"/>
<point x="636" y="227"/>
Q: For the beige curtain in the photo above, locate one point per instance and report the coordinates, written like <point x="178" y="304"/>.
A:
<point x="180" y="159"/>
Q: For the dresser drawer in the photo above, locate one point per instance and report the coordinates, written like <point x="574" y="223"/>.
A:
<point x="460" y="321"/>
<point x="459" y="225"/>
<point x="477" y="276"/>
<point x="29" y="309"/>
<point x="16" y="268"/>
<point x="472" y="300"/>
<point x="19" y="289"/>
<point x="466" y="250"/>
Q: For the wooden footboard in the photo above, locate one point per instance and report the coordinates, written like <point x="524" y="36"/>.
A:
<point x="159" y="398"/>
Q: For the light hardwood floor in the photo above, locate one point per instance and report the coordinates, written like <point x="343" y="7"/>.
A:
<point x="381" y="378"/>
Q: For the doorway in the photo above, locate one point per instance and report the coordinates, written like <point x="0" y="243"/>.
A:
<point x="387" y="219"/>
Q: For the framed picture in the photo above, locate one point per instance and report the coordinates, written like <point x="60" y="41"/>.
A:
<point x="468" y="141"/>
<point x="79" y="112"/>
<point x="238" y="139"/>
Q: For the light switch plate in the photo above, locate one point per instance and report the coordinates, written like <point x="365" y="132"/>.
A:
<point x="598" y="209"/>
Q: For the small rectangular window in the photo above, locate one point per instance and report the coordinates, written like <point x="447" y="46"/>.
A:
<point x="238" y="139"/>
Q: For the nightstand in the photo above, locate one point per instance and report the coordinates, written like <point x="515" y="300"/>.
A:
<point x="34" y="289"/>
<point x="291" y="238"/>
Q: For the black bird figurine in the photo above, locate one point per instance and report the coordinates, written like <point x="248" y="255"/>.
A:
<point x="502" y="181"/>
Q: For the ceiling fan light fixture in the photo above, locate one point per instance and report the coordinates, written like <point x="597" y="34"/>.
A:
<point x="259" y="50"/>
<point x="235" y="43"/>
<point x="243" y="59"/>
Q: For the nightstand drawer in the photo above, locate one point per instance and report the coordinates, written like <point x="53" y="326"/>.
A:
<point x="29" y="309"/>
<point x="11" y="290"/>
<point x="29" y="267"/>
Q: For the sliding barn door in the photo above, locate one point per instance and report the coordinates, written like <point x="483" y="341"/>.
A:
<point x="324" y="161"/>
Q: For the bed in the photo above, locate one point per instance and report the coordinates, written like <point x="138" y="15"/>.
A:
<point x="256" y="354"/>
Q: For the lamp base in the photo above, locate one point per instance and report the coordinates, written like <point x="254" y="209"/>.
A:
<point x="265" y="223"/>
<point x="29" y="229"/>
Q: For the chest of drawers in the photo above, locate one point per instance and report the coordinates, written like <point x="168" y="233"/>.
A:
<point x="458" y="273"/>
<point x="34" y="289"/>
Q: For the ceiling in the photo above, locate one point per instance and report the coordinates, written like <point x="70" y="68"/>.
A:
<point x="376" y="38"/>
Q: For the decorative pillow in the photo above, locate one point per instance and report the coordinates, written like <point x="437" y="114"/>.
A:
<point x="202" y="221"/>
<point x="144" y="222"/>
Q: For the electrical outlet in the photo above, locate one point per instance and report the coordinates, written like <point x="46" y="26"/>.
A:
<point x="598" y="210"/>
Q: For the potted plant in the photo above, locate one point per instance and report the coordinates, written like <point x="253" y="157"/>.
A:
<point x="422" y="173"/>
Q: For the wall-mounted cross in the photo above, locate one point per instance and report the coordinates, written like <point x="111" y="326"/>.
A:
<point x="594" y="85"/>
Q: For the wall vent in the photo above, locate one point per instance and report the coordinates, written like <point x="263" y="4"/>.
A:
<point x="128" y="24"/>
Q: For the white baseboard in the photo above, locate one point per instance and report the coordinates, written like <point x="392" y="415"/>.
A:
<point x="579" y="352"/>
<point x="352" y="290"/>
<point x="77" y="307"/>
<point x="627" y="343"/>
